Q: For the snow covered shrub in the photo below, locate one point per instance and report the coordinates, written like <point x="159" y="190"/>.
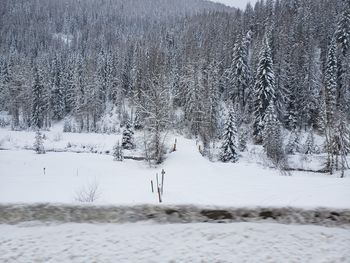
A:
<point x="88" y="194"/>
<point x="118" y="152"/>
<point x="57" y="137"/>
<point x="38" y="144"/>
<point x="243" y="140"/>
<point x="4" y="122"/>
<point x="293" y="144"/>
<point x="154" y="149"/>
<point x="67" y="126"/>
<point x="5" y="119"/>
<point x="309" y="146"/>
<point x="210" y="151"/>
<point x="109" y="121"/>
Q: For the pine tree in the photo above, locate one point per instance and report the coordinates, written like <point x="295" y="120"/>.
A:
<point x="68" y="84"/>
<point x="331" y="83"/>
<point x="342" y="36"/>
<point x="193" y="96"/>
<point x="39" y="144"/>
<point x="264" y="90"/>
<point x="330" y="97"/>
<point x="343" y="29"/>
<point x="240" y="74"/>
<point x="118" y="152"/>
<point x="57" y="95"/>
<point x="4" y="83"/>
<point x="272" y="137"/>
<point x="37" y="103"/>
<point x="340" y="143"/>
<point x="80" y="92"/>
<point x="242" y="140"/>
<point x="128" y="137"/>
<point x="212" y="100"/>
<point x="95" y="105"/>
<point x="137" y="120"/>
<point x="309" y="147"/>
<point x="293" y="146"/>
<point x="67" y="126"/>
<point x="229" y="149"/>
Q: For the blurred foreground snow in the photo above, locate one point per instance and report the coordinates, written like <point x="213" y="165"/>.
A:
<point x="148" y="242"/>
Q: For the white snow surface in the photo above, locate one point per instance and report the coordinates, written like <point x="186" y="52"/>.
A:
<point x="189" y="179"/>
<point x="147" y="242"/>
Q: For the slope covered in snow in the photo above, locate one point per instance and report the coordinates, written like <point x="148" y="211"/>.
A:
<point x="189" y="179"/>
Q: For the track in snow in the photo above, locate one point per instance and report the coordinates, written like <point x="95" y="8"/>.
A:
<point x="17" y="213"/>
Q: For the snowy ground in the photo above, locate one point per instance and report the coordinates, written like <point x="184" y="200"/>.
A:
<point x="56" y="140"/>
<point x="57" y="177"/>
<point x="237" y="242"/>
<point x="189" y="178"/>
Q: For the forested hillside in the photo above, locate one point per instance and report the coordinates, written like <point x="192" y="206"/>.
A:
<point x="160" y="65"/>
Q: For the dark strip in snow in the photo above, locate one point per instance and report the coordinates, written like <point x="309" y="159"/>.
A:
<point x="57" y="213"/>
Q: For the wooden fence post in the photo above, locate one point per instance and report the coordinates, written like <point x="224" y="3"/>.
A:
<point x="163" y="173"/>
<point x="159" y="195"/>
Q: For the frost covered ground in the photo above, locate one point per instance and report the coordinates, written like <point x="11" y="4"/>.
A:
<point x="146" y="242"/>
<point x="189" y="178"/>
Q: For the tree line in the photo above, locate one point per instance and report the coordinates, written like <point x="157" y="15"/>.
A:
<point x="163" y="64"/>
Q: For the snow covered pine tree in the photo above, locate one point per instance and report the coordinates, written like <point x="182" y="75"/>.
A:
<point x="293" y="143"/>
<point x="229" y="149"/>
<point x="309" y="147"/>
<point x="272" y="137"/>
<point x="264" y="91"/>
<point x="37" y="101"/>
<point x="128" y="137"/>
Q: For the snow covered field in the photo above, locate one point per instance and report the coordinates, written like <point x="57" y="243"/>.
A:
<point x="145" y="242"/>
<point x="58" y="177"/>
<point x="189" y="178"/>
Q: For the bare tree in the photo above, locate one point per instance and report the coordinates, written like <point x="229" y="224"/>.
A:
<point x="155" y="107"/>
<point x="89" y="193"/>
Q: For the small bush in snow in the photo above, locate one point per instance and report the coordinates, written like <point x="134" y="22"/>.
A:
<point x="38" y="144"/>
<point x="88" y="194"/>
<point x="118" y="152"/>
<point x="57" y="137"/>
<point x="4" y="122"/>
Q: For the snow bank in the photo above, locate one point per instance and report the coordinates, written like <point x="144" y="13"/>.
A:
<point x="17" y="213"/>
